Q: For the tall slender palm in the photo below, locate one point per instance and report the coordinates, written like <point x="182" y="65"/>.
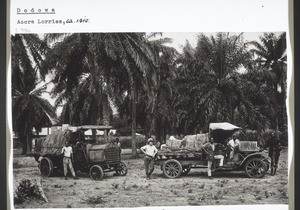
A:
<point x="271" y="59"/>
<point x="160" y="106"/>
<point x="118" y="63"/>
<point x="29" y="109"/>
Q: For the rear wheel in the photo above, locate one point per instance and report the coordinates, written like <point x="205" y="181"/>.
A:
<point x="96" y="172"/>
<point x="46" y="166"/>
<point x="121" y="169"/>
<point x="172" y="168"/>
<point x="255" y="168"/>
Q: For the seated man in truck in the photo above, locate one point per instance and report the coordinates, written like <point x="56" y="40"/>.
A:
<point x="230" y="147"/>
<point x="218" y="153"/>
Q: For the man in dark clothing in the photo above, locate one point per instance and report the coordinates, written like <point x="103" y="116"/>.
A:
<point x="274" y="152"/>
<point x="212" y="154"/>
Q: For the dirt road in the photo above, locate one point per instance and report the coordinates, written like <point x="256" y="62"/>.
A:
<point x="134" y="190"/>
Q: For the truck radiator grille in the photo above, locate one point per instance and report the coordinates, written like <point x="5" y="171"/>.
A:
<point x="112" y="153"/>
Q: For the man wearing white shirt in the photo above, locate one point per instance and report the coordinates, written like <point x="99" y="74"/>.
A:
<point x="150" y="151"/>
<point x="230" y="146"/>
<point x="67" y="161"/>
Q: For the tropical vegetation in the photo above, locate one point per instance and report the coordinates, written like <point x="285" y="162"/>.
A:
<point x="155" y="89"/>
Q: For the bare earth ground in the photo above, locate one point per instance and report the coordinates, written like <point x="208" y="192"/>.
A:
<point x="133" y="190"/>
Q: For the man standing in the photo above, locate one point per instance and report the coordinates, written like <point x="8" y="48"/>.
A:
<point x="274" y="152"/>
<point x="67" y="160"/>
<point x="150" y="151"/>
<point x="209" y="148"/>
<point x="118" y="143"/>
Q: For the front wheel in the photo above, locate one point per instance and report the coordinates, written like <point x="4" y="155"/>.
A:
<point x="121" y="169"/>
<point x="172" y="168"/>
<point x="96" y="172"/>
<point x="255" y="168"/>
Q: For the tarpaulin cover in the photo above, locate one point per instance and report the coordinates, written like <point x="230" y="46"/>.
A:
<point x="52" y="144"/>
<point x="189" y="142"/>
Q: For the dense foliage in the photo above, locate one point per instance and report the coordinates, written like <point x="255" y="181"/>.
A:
<point x="155" y="89"/>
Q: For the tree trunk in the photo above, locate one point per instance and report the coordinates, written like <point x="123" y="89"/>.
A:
<point x="231" y="110"/>
<point x="28" y="144"/>
<point x="106" y="109"/>
<point x="23" y="142"/>
<point x="97" y="84"/>
<point x="159" y="127"/>
<point x="133" y="120"/>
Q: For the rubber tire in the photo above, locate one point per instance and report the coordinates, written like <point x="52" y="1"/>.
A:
<point x="96" y="172"/>
<point x="46" y="167"/>
<point x="175" y="164"/>
<point x="123" y="170"/>
<point x="259" y="161"/>
<point x="186" y="170"/>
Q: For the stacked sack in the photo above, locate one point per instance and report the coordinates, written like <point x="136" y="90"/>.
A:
<point x="189" y="142"/>
<point x="173" y="143"/>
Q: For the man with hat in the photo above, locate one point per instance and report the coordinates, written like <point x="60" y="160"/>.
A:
<point x="150" y="151"/>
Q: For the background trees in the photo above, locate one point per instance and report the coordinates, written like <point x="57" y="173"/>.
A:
<point x="212" y="87"/>
<point x="271" y="59"/>
<point x="115" y="65"/>
<point x="29" y="109"/>
<point x="152" y="86"/>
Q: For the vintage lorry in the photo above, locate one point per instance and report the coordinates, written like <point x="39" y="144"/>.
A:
<point x="176" y="162"/>
<point x="89" y="155"/>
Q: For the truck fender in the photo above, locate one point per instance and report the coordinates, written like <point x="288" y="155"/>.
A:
<point x="257" y="155"/>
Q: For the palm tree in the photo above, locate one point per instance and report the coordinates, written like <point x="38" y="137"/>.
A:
<point x="210" y="86"/>
<point x="29" y="109"/>
<point x="117" y="64"/>
<point x="271" y="65"/>
<point x="79" y="108"/>
<point x="160" y="107"/>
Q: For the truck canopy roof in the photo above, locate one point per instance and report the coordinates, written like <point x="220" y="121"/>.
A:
<point x="222" y="131"/>
<point x="223" y="126"/>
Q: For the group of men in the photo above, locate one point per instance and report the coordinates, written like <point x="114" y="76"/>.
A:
<point x="214" y="151"/>
<point x="210" y="148"/>
<point x="273" y="144"/>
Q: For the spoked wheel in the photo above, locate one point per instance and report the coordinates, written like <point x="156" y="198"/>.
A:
<point x="96" y="172"/>
<point x="172" y="168"/>
<point x="255" y="168"/>
<point x="186" y="169"/>
<point x="121" y="169"/>
<point x="46" y="166"/>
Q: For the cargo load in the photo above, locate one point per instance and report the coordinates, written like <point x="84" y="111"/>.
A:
<point x="53" y="143"/>
<point x="189" y="142"/>
<point x="248" y="146"/>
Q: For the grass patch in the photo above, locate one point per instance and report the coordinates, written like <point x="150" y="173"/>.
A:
<point x="94" y="200"/>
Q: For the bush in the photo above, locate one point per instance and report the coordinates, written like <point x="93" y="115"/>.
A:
<point x="28" y="189"/>
<point x="263" y="137"/>
<point x="126" y="141"/>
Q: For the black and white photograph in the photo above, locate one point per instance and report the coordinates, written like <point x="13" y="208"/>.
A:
<point x="136" y="119"/>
